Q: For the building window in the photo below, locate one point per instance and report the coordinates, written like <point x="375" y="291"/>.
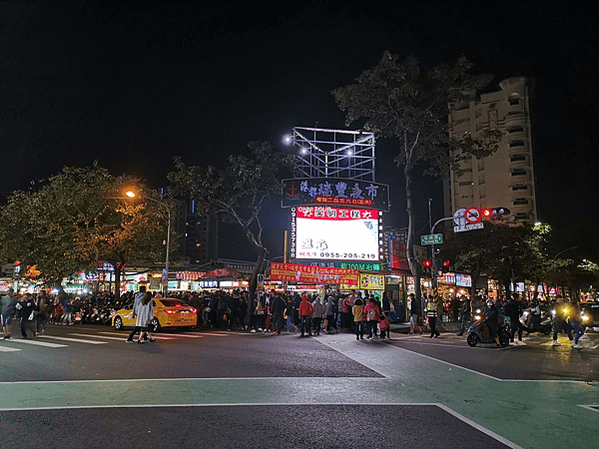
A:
<point x="518" y="158"/>
<point x="520" y="201"/>
<point x="518" y="172"/>
<point x="520" y="187"/>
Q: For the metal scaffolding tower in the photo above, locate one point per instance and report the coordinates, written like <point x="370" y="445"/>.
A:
<point x="332" y="153"/>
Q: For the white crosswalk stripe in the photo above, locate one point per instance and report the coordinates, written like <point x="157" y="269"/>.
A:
<point x="30" y="341"/>
<point x="125" y="335"/>
<point x="76" y="340"/>
<point x="8" y="349"/>
<point x="99" y="336"/>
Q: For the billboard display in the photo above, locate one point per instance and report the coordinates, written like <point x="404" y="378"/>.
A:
<point x="336" y="233"/>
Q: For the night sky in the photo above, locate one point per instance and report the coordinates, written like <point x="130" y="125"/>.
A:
<point x="134" y="84"/>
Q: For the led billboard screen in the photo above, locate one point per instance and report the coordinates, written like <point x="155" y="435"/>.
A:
<point x="335" y="233"/>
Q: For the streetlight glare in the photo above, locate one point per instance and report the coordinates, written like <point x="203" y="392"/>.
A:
<point x="130" y="194"/>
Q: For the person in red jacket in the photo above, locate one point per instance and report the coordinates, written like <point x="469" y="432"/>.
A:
<point x="372" y="313"/>
<point x="305" y="314"/>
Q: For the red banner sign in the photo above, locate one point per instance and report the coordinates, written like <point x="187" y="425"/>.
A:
<point x="307" y="274"/>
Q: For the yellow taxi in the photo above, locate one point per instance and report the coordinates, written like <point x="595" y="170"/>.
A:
<point x="168" y="312"/>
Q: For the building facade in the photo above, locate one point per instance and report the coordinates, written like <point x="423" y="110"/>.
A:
<point x="201" y="236"/>
<point x="506" y="178"/>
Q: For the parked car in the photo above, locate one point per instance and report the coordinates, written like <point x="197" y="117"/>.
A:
<point x="168" y="312"/>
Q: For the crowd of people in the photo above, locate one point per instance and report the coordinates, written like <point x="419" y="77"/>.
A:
<point x="274" y="312"/>
<point x="307" y="313"/>
<point x="518" y="314"/>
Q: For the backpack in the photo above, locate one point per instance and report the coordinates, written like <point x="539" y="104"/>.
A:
<point x="371" y="314"/>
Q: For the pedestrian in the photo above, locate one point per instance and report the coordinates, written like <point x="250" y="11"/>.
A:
<point x="431" y="314"/>
<point x="384" y="326"/>
<point x="67" y="318"/>
<point x="491" y="315"/>
<point x="277" y="308"/>
<point x="359" y="319"/>
<point x="318" y="312"/>
<point x="40" y="317"/>
<point x="513" y="310"/>
<point x="414" y="314"/>
<point x="289" y="314"/>
<point x="454" y="305"/>
<point x="330" y="314"/>
<point x="534" y="313"/>
<point x="144" y="312"/>
<point x="561" y="321"/>
<point x="305" y="315"/>
<point x="576" y="322"/>
<point x="466" y="311"/>
<point x="7" y="311"/>
<point x="26" y="314"/>
<point x="373" y="313"/>
<point x="261" y="314"/>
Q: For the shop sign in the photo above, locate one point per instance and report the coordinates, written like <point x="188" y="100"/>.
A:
<point x="365" y="266"/>
<point x="463" y="280"/>
<point x="372" y="281"/>
<point x="207" y="283"/>
<point x="447" y="278"/>
<point x="307" y="274"/>
<point x="334" y="191"/>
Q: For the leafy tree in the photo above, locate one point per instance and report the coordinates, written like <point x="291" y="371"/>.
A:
<point x="498" y="251"/>
<point x="397" y="101"/>
<point x="236" y="193"/>
<point x="74" y="219"/>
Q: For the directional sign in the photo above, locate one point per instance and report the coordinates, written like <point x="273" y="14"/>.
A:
<point x="472" y="215"/>
<point x="431" y="239"/>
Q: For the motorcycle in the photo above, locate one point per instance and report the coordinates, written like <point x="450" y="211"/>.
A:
<point x="479" y="332"/>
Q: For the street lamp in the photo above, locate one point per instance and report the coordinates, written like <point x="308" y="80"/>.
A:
<point x="131" y="194"/>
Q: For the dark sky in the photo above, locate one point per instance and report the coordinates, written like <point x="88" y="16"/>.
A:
<point x="134" y="84"/>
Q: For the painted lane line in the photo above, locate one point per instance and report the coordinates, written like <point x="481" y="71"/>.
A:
<point x="75" y="340"/>
<point x="40" y="343"/>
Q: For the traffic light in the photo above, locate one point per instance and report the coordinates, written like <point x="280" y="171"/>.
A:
<point x="491" y="213"/>
<point x="427" y="263"/>
<point x="445" y="266"/>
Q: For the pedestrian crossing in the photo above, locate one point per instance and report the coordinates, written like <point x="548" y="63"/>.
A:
<point x="16" y="343"/>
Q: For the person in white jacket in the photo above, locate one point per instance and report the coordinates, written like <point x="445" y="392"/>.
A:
<point x="143" y="311"/>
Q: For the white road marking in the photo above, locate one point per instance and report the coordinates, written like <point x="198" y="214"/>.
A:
<point x="76" y="340"/>
<point x="8" y="349"/>
<point x="39" y="343"/>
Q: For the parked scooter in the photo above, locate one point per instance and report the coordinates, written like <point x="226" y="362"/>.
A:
<point x="479" y="332"/>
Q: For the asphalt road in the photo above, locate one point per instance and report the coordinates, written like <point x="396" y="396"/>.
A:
<point x="83" y="386"/>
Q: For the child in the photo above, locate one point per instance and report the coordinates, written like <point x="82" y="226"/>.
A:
<point x="384" y="326"/>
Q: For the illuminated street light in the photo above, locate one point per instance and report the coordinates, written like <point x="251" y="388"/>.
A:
<point x="131" y="194"/>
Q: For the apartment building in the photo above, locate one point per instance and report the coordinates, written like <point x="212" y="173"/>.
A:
<point x="506" y="178"/>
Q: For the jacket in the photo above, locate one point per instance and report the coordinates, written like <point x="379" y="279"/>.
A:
<point x="375" y="315"/>
<point x="358" y="312"/>
<point x="7" y="305"/>
<point x="305" y="308"/>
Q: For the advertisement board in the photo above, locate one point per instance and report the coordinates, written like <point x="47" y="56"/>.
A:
<point x="336" y="233"/>
<point x="309" y="274"/>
